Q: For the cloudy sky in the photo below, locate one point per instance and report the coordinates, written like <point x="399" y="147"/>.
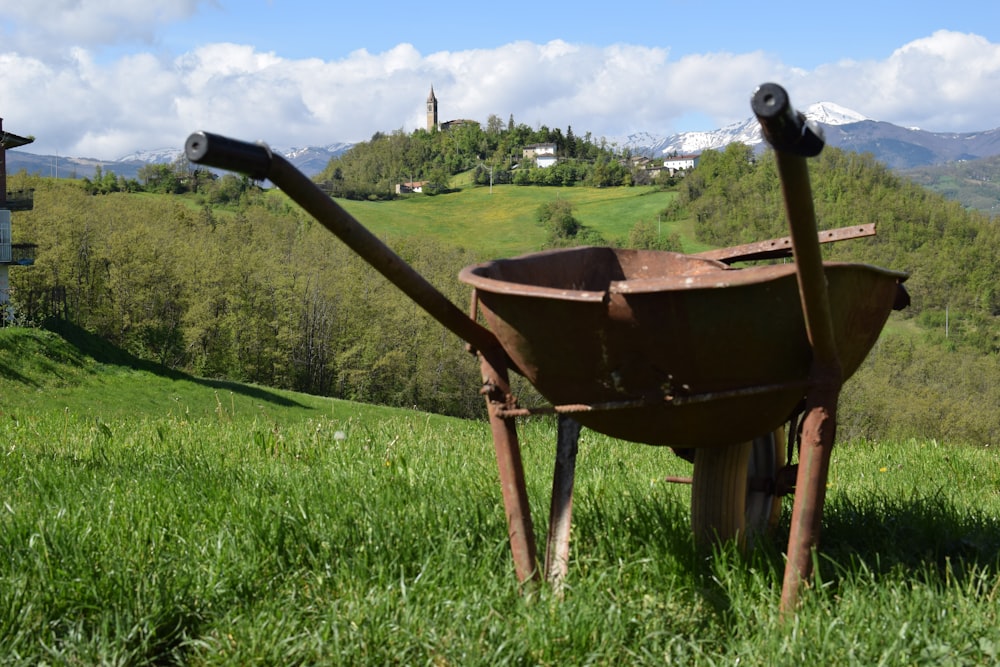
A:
<point x="103" y="78"/>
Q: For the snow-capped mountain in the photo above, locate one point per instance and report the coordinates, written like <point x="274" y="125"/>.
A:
<point x="746" y="132"/>
<point x="153" y="156"/>
<point x="829" y="113"/>
<point x="897" y="147"/>
<point x="310" y="160"/>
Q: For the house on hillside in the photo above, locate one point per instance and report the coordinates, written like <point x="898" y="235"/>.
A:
<point x="543" y="155"/>
<point x="680" y="162"/>
<point x="410" y="187"/>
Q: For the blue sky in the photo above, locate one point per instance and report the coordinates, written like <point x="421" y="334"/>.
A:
<point x="103" y="78"/>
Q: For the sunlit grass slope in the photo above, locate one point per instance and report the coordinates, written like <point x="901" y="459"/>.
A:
<point x="504" y="223"/>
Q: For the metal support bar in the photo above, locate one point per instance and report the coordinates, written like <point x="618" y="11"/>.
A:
<point x="818" y="433"/>
<point x="778" y="248"/>
<point x="520" y="530"/>
<point x="669" y="399"/>
<point x="561" y="508"/>
<point x="676" y="479"/>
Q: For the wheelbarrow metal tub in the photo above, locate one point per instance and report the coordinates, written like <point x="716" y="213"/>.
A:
<point x="696" y="353"/>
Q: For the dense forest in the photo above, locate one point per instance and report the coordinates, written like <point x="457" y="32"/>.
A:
<point x="246" y="286"/>
<point x="974" y="183"/>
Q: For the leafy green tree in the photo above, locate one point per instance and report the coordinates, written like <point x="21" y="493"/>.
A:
<point x="557" y="217"/>
<point x="644" y="235"/>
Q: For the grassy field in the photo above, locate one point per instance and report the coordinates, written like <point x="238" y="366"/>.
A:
<point x="155" y="518"/>
<point x="504" y="223"/>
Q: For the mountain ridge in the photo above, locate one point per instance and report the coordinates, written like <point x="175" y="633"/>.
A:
<point x="895" y="146"/>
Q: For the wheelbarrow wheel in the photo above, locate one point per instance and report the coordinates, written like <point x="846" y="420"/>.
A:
<point x="732" y="491"/>
<point x="767" y="457"/>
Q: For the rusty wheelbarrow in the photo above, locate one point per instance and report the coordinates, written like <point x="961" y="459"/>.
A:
<point x="654" y="347"/>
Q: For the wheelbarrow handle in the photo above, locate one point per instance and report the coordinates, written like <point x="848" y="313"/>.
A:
<point x="221" y="152"/>
<point x="257" y="161"/>
<point x="793" y="139"/>
<point x="786" y="129"/>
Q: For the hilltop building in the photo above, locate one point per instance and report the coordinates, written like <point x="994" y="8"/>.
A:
<point x="432" y="111"/>
<point x="432" y="116"/>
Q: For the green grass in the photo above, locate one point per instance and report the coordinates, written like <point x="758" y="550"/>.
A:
<point x="504" y="223"/>
<point x="148" y="517"/>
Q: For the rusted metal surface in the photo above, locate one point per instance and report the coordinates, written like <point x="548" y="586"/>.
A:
<point x="645" y="325"/>
<point x="676" y="479"/>
<point x="657" y="401"/>
<point x="779" y="248"/>
<point x="520" y="530"/>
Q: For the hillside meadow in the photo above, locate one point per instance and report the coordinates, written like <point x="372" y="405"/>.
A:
<point x="153" y="517"/>
<point x="504" y="223"/>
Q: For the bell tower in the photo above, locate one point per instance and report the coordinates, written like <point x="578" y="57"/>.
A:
<point x="432" y="111"/>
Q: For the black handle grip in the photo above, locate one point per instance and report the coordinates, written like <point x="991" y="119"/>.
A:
<point x="783" y="127"/>
<point x="215" y="150"/>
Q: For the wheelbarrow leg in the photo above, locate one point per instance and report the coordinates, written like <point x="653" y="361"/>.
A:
<point x="561" y="509"/>
<point x="520" y="531"/>
<point x="818" y="433"/>
<point x="793" y="140"/>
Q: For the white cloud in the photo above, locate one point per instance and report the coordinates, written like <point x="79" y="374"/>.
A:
<point x="949" y="81"/>
<point x="46" y="26"/>
<point x="81" y="105"/>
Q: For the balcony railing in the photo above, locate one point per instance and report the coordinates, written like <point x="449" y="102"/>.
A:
<point x="19" y="254"/>
<point x="23" y="254"/>
<point x="19" y="200"/>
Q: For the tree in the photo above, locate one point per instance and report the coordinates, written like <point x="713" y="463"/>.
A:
<point x="570" y="141"/>
<point x="494" y="125"/>
<point x="644" y="235"/>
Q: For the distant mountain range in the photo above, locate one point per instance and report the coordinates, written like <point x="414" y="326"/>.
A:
<point x="310" y="160"/>
<point x="897" y="147"/>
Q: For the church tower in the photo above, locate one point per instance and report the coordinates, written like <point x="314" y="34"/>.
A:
<point x="432" y="111"/>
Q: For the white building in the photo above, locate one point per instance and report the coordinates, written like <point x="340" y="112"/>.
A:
<point x="544" y="155"/>
<point x="678" y="162"/>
